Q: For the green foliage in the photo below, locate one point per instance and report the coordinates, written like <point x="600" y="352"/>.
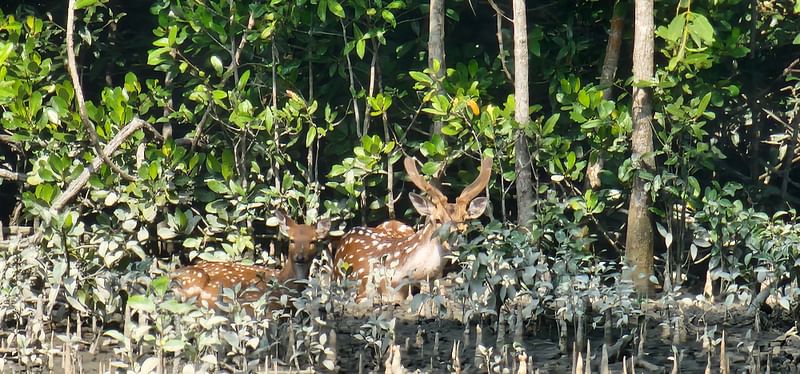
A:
<point x="605" y="126"/>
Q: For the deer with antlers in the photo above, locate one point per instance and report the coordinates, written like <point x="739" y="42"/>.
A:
<point x="398" y="255"/>
<point x="206" y="280"/>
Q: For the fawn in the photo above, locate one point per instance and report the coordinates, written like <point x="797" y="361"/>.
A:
<point x="206" y="280"/>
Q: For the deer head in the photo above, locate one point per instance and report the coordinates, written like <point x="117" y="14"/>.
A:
<point x="302" y="243"/>
<point x="438" y="209"/>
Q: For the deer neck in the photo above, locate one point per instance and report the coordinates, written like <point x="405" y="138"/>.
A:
<point x="420" y="256"/>
<point x="427" y="236"/>
<point x="431" y="234"/>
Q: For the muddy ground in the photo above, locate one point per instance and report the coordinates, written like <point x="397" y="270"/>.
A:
<point x="427" y="343"/>
<point x="776" y="346"/>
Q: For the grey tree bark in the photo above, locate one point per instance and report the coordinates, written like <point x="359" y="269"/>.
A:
<point x="436" y="46"/>
<point x="522" y="165"/>
<point x="639" y="241"/>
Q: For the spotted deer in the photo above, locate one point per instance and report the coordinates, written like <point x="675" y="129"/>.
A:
<point x="397" y="255"/>
<point x="205" y="281"/>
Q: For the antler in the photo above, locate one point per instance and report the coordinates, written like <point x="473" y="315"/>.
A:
<point x="477" y="186"/>
<point x="419" y="181"/>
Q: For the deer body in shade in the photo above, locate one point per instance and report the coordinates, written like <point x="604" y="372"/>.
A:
<point x="395" y="255"/>
<point x="205" y="281"/>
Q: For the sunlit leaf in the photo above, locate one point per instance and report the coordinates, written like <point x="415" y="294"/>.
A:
<point x="216" y="63"/>
<point x="141" y="303"/>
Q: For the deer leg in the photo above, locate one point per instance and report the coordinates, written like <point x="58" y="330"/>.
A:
<point x="362" y="290"/>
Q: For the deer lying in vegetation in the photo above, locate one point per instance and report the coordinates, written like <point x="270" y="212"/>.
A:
<point x="399" y="256"/>
<point x="205" y="281"/>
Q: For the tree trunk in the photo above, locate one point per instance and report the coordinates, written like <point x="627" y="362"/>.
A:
<point x="639" y="243"/>
<point x="787" y="160"/>
<point x="753" y="102"/>
<point x="436" y="46"/>
<point x="607" y="75"/>
<point x="524" y="182"/>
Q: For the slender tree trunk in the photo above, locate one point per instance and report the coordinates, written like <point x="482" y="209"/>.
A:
<point x="607" y="75"/>
<point x="312" y="177"/>
<point x="639" y="244"/>
<point x="790" y="152"/>
<point x="611" y="61"/>
<point x="753" y="101"/>
<point x="436" y="46"/>
<point x="522" y="166"/>
<point x="276" y="137"/>
<point x="373" y="78"/>
<point x="389" y="166"/>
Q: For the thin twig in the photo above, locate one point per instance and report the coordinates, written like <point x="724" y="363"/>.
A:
<point x="198" y="132"/>
<point x="352" y="84"/>
<point x="276" y="135"/>
<point x="229" y="71"/>
<point x="500" y="44"/>
<point x="389" y="166"/>
<point x="373" y="68"/>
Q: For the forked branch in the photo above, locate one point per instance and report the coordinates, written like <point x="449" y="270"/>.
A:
<point x="77" y="184"/>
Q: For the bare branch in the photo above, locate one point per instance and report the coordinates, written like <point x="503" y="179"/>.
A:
<point x="12" y="175"/>
<point x="373" y="68"/>
<point x="77" y="184"/>
<point x="8" y="139"/>
<point x="73" y="73"/>
<point x="500" y="44"/>
<point x="352" y="84"/>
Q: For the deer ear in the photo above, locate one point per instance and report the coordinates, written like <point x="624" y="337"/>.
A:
<point x="421" y="204"/>
<point x="323" y="226"/>
<point x="476" y="207"/>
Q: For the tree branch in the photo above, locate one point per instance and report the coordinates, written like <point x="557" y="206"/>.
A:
<point x="110" y="148"/>
<point x="12" y="175"/>
<point x="73" y="73"/>
<point x="352" y="84"/>
<point x="501" y="54"/>
<point x="77" y="184"/>
<point x="231" y="70"/>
